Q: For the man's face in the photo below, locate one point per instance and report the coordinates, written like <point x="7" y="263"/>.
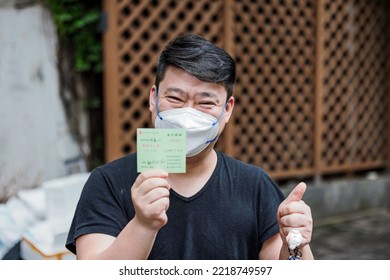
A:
<point x="179" y="89"/>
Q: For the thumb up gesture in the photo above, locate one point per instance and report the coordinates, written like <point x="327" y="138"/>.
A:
<point x="293" y="213"/>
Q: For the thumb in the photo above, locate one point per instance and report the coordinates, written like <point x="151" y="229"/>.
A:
<point x="297" y="193"/>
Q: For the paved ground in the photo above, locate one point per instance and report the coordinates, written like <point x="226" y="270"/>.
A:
<point x="362" y="236"/>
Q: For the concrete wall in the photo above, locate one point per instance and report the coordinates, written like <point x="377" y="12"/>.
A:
<point x="35" y="142"/>
<point x="342" y="197"/>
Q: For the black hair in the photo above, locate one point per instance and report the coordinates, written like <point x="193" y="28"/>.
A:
<point x="199" y="58"/>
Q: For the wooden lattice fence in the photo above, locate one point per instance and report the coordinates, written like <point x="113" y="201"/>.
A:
<point x="311" y="92"/>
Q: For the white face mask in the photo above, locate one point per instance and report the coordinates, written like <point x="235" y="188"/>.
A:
<point x="201" y="128"/>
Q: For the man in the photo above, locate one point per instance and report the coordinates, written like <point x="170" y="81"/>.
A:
<point x="220" y="208"/>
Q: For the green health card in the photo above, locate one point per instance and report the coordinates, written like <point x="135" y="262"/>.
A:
<point x="161" y="149"/>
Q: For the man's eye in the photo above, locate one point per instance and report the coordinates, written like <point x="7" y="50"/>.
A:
<point x="173" y="99"/>
<point x="207" y="104"/>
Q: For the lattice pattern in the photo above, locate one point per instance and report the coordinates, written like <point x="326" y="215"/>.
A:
<point x="275" y="87"/>
<point x="144" y="27"/>
<point x="355" y="74"/>
<point x="284" y="120"/>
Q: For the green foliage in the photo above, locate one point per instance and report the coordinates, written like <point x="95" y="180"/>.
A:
<point x="78" y="25"/>
<point x="78" y="21"/>
<point x="94" y="103"/>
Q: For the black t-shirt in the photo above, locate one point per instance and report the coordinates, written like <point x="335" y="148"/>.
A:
<point x="229" y="218"/>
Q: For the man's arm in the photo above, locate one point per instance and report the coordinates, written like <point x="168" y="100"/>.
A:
<point x="134" y="242"/>
<point x="292" y="213"/>
<point x="150" y="196"/>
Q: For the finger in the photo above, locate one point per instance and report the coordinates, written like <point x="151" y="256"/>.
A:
<point x="293" y="207"/>
<point x="297" y="193"/>
<point x="148" y="185"/>
<point x="153" y="183"/>
<point x="294" y="221"/>
<point x="154" y="173"/>
<point x="160" y="206"/>
<point x="155" y="194"/>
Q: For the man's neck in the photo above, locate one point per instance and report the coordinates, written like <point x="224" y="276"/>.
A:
<point x="201" y="163"/>
<point x="198" y="171"/>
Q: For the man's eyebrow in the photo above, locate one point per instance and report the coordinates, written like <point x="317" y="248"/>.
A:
<point x="175" y="89"/>
<point x="212" y="95"/>
<point x="208" y="94"/>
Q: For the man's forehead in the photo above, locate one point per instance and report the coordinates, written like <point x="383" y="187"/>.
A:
<point x="179" y="81"/>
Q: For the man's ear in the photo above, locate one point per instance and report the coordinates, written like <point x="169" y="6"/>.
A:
<point x="152" y="98"/>
<point x="229" y="108"/>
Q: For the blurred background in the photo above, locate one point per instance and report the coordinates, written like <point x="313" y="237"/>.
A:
<point x="312" y="99"/>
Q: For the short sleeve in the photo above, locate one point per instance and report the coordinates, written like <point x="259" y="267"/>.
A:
<point x="101" y="208"/>
<point x="270" y="199"/>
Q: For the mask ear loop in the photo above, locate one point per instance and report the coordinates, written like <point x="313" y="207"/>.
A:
<point x="219" y="117"/>
<point x="158" y="113"/>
